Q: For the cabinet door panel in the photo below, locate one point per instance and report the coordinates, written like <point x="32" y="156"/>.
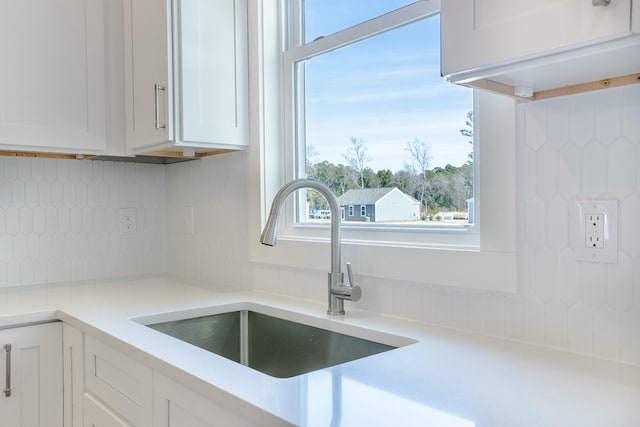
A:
<point x="213" y="56"/>
<point x="36" y="376"/>
<point x="478" y="33"/>
<point x="122" y="383"/>
<point x="175" y="406"/>
<point x="635" y="16"/>
<point x="52" y="79"/>
<point x="147" y="56"/>
<point x="97" y="415"/>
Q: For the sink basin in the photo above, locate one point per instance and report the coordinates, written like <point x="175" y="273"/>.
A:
<point x="271" y="344"/>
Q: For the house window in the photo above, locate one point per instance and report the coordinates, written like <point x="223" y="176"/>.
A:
<point x="350" y="210"/>
<point x="470" y="260"/>
<point x="369" y="109"/>
<point x="363" y="210"/>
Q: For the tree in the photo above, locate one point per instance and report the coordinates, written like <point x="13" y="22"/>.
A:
<point x="357" y="158"/>
<point x="385" y="177"/>
<point x="420" y="159"/>
<point x="468" y="133"/>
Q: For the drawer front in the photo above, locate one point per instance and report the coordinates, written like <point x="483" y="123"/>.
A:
<point x="97" y="415"/>
<point x="119" y="381"/>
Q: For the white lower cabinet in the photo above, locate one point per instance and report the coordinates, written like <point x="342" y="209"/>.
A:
<point x="104" y="387"/>
<point x="176" y="406"/>
<point x="31" y="372"/>
<point x="73" y="369"/>
<point x="96" y="414"/>
<point x="116" y="381"/>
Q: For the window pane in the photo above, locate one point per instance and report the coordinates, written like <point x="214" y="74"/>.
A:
<point x="377" y="116"/>
<point x="324" y="17"/>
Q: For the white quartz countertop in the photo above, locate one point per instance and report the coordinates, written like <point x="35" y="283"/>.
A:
<point x="447" y="378"/>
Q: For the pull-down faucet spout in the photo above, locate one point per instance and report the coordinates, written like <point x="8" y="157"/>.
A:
<point x="338" y="291"/>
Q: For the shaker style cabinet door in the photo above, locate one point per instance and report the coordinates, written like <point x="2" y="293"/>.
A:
<point x="483" y="33"/>
<point x="147" y="79"/>
<point x="186" y="75"/>
<point x="52" y="76"/>
<point x="31" y="376"/>
<point x="176" y="406"/>
<point x="213" y="72"/>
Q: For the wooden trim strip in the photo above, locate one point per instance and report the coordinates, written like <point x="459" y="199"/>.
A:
<point x="43" y="155"/>
<point x="588" y="87"/>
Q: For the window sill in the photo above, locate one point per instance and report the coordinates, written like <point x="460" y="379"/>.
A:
<point x="468" y="268"/>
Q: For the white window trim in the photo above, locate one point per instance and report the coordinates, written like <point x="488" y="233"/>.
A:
<point x="489" y="259"/>
<point x="351" y="210"/>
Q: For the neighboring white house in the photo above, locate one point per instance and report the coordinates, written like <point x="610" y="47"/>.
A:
<point x="378" y="204"/>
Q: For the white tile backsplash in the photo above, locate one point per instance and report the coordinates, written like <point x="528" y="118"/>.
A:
<point x="583" y="146"/>
<point x="59" y="220"/>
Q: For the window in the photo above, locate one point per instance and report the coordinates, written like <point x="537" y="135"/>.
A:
<point x="397" y="253"/>
<point x="369" y="110"/>
<point x="350" y="210"/>
<point x="363" y="210"/>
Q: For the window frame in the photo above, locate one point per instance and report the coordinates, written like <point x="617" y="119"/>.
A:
<point x="489" y="257"/>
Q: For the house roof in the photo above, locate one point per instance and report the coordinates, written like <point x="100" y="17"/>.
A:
<point x="368" y="196"/>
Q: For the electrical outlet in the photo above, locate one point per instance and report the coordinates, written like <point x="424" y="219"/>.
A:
<point x="128" y="221"/>
<point x="596" y="231"/>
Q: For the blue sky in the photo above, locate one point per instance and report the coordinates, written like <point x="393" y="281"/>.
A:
<point x="386" y="90"/>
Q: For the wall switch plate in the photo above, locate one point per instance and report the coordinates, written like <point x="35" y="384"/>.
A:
<point x="596" y="231"/>
<point x="128" y="221"/>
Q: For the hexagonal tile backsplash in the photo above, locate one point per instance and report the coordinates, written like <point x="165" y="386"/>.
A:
<point x="579" y="147"/>
<point x="59" y="220"/>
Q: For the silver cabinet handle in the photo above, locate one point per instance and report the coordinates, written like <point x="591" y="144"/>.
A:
<point x="157" y="89"/>
<point x="601" y="2"/>
<point x="7" y="389"/>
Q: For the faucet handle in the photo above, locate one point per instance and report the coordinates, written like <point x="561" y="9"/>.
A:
<point x="356" y="292"/>
<point x="350" y="275"/>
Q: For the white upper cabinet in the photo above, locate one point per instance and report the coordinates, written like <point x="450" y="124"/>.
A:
<point x="540" y="45"/>
<point x="635" y="16"/>
<point x="213" y="73"/>
<point x="186" y="75"/>
<point x="147" y="72"/>
<point x="52" y="76"/>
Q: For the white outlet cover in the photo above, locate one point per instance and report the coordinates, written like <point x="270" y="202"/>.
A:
<point x="128" y="221"/>
<point x="608" y="253"/>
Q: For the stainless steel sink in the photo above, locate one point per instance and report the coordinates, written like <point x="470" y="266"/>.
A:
<point x="272" y="345"/>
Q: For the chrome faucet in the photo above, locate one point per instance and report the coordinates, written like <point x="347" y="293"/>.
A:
<point x="338" y="291"/>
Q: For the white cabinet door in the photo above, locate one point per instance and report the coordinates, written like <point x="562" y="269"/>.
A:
<point x="147" y="72"/>
<point x="31" y="374"/>
<point x="212" y="73"/>
<point x="52" y="78"/>
<point x="122" y="383"/>
<point x="482" y="33"/>
<point x="186" y="75"/>
<point x="177" y="406"/>
<point x="97" y="414"/>
<point x="635" y="16"/>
